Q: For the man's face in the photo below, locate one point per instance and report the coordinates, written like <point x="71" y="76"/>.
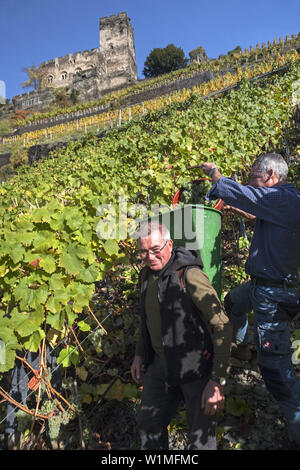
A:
<point x="162" y="251"/>
<point x="260" y="180"/>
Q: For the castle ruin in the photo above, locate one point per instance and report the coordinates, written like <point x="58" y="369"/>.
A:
<point x="93" y="73"/>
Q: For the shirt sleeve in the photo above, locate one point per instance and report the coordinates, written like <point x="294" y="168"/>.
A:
<point x="207" y="301"/>
<point x="265" y="203"/>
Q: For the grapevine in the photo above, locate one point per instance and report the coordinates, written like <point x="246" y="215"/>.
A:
<point x="51" y="259"/>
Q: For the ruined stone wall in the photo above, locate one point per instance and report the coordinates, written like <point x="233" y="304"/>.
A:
<point x="92" y="72"/>
<point x="61" y="71"/>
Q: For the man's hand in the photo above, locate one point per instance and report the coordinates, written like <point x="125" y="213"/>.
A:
<point x="207" y="167"/>
<point x="212" y="398"/>
<point x="136" y="369"/>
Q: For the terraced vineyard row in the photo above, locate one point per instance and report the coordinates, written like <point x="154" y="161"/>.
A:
<point x="265" y="53"/>
<point x="116" y="117"/>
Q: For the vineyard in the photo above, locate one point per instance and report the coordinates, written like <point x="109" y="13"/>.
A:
<point x="96" y="121"/>
<point x="264" y="54"/>
<point x="69" y="295"/>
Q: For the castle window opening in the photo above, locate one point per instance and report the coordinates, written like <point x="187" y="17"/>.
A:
<point x="50" y="79"/>
<point x="64" y="76"/>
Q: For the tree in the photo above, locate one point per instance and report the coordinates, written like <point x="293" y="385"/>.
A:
<point x="236" y="50"/>
<point x="34" y="78"/>
<point x="164" y="60"/>
<point x="61" y="97"/>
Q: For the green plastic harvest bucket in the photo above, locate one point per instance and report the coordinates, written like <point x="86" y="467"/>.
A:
<point x="198" y="227"/>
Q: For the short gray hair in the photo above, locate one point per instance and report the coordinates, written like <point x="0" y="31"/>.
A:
<point x="146" y="228"/>
<point x="274" y="161"/>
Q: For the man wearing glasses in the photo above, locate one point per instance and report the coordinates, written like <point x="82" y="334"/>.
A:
<point x="184" y="343"/>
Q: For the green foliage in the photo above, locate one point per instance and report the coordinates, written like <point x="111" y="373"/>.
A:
<point x="50" y="254"/>
<point x="24" y="421"/>
<point x="74" y="96"/>
<point x="51" y="257"/>
<point x="18" y="157"/>
<point x="5" y="127"/>
<point x="237" y="406"/>
<point x="164" y="60"/>
<point x="62" y="98"/>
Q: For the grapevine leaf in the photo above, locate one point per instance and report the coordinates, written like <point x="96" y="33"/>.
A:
<point x="33" y="341"/>
<point x="83" y="326"/>
<point x="73" y="218"/>
<point x="28" y="322"/>
<point x="56" y="282"/>
<point x="70" y="315"/>
<point x="56" y="320"/>
<point x="70" y="261"/>
<point x="68" y="356"/>
<point x="55" y="300"/>
<point x="57" y="221"/>
<point x="31" y="297"/>
<point x="82" y="373"/>
<point x="116" y="392"/>
<point x="130" y="390"/>
<point x="89" y="275"/>
<point x="81" y="295"/>
<point x="111" y="247"/>
<point x="48" y="263"/>
<point x="41" y="215"/>
<point x="3" y="268"/>
<point x="44" y="240"/>
<point x="53" y="336"/>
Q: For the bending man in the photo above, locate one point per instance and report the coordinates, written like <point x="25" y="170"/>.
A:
<point x="273" y="264"/>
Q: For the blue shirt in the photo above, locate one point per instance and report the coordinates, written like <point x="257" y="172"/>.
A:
<point x="275" y="247"/>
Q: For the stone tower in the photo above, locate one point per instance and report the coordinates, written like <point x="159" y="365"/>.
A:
<point x="117" y="47"/>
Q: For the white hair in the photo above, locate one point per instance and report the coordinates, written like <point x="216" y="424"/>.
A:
<point x="147" y="228"/>
<point x="275" y="161"/>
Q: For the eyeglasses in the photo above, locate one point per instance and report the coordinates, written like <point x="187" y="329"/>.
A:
<point x="154" y="251"/>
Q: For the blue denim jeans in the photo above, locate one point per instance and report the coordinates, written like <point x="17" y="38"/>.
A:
<point x="272" y="339"/>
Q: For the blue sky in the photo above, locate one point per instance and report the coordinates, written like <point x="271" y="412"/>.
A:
<point x="34" y="31"/>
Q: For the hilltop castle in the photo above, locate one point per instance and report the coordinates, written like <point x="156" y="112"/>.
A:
<point x="92" y="73"/>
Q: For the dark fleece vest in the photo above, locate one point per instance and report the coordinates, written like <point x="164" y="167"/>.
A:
<point x="187" y="344"/>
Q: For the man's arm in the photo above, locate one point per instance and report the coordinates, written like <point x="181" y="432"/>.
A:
<point x="137" y="363"/>
<point x="206" y="300"/>
<point x="211" y="170"/>
<point x="237" y="211"/>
